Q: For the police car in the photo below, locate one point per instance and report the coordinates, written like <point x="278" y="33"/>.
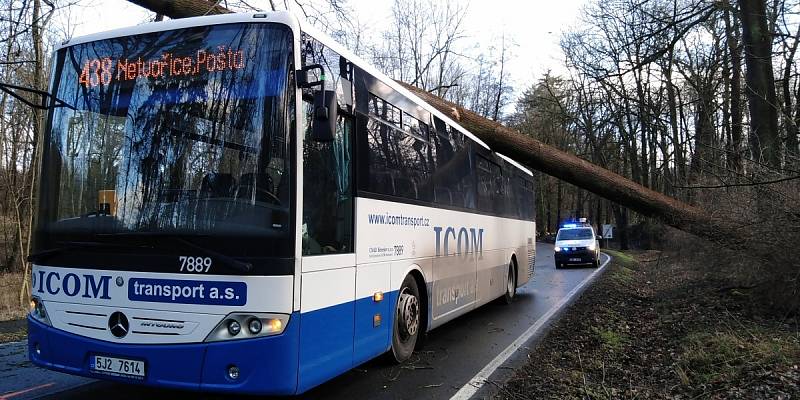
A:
<point x="577" y="244"/>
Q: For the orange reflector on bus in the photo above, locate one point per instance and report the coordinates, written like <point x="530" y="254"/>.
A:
<point x="275" y="325"/>
<point x="377" y="297"/>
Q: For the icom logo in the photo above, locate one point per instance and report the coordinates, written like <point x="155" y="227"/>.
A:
<point x="72" y="285"/>
<point x="467" y="240"/>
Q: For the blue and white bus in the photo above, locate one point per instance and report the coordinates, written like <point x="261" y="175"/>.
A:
<point x="237" y="203"/>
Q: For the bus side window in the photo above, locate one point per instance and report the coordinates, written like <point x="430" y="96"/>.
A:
<point x="490" y="191"/>
<point x="327" y="190"/>
<point x="453" y="172"/>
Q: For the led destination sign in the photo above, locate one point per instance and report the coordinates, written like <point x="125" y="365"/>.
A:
<point x="102" y="71"/>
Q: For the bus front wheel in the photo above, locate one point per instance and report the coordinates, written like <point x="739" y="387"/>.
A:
<point x="407" y="320"/>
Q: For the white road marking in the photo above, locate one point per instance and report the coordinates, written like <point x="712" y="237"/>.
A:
<point x="477" y="381"/>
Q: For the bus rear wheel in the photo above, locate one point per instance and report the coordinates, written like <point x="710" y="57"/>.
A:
<point x="407" y="320"/>
<point x="511" y="284"/>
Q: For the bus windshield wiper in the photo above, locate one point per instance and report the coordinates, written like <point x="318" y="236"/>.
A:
<point x="228" y="261"/>
<point x="44" y="97"/>
<point x="45" y="254"/>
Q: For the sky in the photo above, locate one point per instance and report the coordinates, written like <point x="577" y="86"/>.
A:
<point x="533" y="26"/>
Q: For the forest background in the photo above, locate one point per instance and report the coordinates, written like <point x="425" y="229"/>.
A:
<point x="695" y="99"/>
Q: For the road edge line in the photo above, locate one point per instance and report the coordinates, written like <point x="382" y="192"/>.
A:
<point x="476" y="383"/>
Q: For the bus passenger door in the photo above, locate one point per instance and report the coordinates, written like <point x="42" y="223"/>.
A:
<point x="327" y="297"/>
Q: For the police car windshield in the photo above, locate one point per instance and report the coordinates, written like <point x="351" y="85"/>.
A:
<point x="575" y="234"/>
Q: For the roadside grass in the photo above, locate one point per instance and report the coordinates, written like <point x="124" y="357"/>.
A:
<point x="624" y="273"/>
<point x="621" y="258"/>
<point x="10" y="309"/>
<point x="726" y="357"/>
<point x="610" y="338"/>
<point x="665" y="325"/>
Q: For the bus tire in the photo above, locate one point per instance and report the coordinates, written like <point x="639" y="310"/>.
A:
<point x="407" y="320"/>
<point x="511" y="284"/>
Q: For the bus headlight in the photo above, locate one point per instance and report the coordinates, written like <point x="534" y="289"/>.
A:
<point x="255" y="326"/>
<point x="248" y="325"/>
<point x="234" y="327"/>
<point x="38" y="312"/>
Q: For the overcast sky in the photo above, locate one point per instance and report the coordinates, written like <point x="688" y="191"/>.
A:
<point x="533" y="26"/>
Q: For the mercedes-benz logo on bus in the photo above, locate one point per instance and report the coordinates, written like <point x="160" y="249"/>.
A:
<point x="118" y="324"/>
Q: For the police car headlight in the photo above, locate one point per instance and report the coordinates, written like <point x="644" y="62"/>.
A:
<point x="558" y="248"/>
<point x="592" y="246"/>
<point x="257" y="325"/>
<point x="38" y="312"/>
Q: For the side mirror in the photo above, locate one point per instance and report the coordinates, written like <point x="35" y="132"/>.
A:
<point x="325" y="115"/>
<point x="599" y="237"/>
<point x="302" y="76"/>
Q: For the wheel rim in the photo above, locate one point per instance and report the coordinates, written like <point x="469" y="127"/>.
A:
<point x="510" y="285"/>
<point x="407" y="314"/>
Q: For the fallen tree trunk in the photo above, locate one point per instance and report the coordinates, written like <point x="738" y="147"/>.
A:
<point x="584" y="174"/>
<point x="538" y="155"/>
<point x="182" y="8"/>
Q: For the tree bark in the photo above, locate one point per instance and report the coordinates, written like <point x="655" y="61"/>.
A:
<point x="182" y="8"/>
<point x="735" y="50"/>
<point x="586" y="175"/>
<point x="786" y="86"/>
<point x="680" y="164"/>
<point x="760" y="79"/>
<point x="38" y="123"/>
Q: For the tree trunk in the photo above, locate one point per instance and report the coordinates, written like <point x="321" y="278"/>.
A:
<point x="182" y="8"/>
<point x="579" y="172"/>
<point x="680" y="164"/>
<point x="38" y="123"/>
<point x="559" y="194"/>
<point x="786" y="86"/>
<point x="735" y="50"/>
<point x="760" y="80"/>
<point x="621" y="215"/>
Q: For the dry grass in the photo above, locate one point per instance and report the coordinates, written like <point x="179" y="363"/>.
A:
<point x="10" y="308"/>
<point x="677" y="324"/>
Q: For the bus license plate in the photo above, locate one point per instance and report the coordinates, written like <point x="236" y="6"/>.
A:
<point x="575" y="259"/>
<point x="117" y="366"/>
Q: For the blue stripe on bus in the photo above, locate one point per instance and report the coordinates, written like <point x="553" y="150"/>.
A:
<point x="268" y="365"/>
<point x="317" y="345"/>
<point x="371" y="341"/>
<point x="335" y="339"/>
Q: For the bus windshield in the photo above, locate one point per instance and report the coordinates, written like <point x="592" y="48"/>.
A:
<point x="182" y="132"/>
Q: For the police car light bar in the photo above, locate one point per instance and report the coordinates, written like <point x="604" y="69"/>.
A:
<point x="569" y="226"/>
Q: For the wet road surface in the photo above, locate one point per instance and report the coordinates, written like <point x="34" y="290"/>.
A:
<point x="458" y="357"/>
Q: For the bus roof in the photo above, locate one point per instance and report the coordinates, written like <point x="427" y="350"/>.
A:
<point x="283" y="17"/>
<point x="297" y="24"/>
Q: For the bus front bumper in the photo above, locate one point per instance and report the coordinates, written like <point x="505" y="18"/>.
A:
<point x="266" y="365"/>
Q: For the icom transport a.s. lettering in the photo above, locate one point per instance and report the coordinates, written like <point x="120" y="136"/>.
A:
<point x="179" y="291"/>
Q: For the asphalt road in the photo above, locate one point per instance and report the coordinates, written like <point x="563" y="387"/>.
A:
<point x="458" y="357"/>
